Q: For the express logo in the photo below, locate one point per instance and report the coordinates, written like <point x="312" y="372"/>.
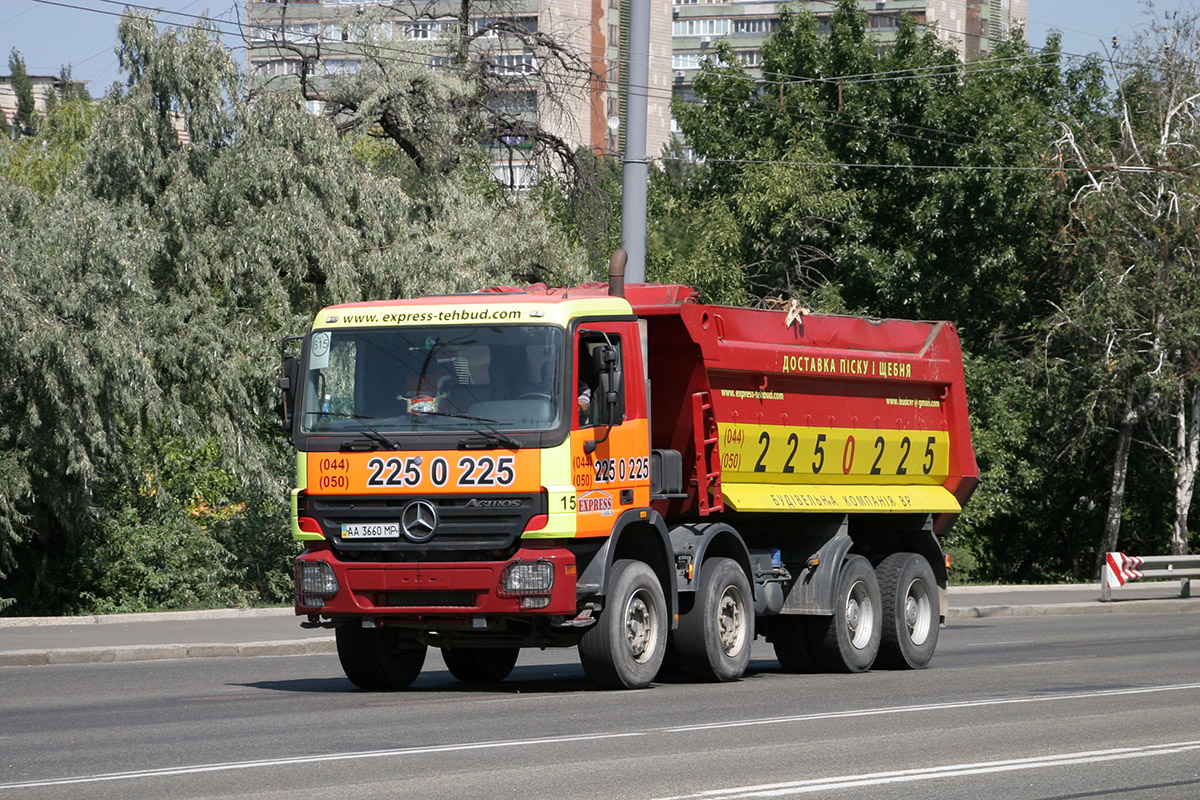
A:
<point x="596" y="503"/>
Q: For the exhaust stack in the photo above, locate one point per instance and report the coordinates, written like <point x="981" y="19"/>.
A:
<point x="616" y="272"/>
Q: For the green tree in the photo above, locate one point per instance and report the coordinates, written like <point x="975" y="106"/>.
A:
<point x="41" y="161"/>
<point x="1128" y="332"/>
<point x="26" y="120"/>
<point x="148" y="295"/>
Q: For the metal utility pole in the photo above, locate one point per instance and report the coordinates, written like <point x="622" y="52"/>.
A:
<point x="635" y="171"/>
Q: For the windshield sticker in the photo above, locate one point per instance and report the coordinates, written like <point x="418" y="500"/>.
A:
<point x="319" y="351"/>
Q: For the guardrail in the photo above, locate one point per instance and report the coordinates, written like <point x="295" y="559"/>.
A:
<point x="1119" y="569"/>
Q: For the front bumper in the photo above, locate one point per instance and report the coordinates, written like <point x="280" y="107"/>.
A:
<point x="439" y="591"/>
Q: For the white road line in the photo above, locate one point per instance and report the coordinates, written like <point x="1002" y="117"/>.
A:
<point x="888" y="710"/>
<point x="278" y="762"/>
<point x="932" y="773"/>
<point x="230" y="766"/>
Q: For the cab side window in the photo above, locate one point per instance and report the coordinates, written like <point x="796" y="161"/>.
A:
<point x="597" y="379"/>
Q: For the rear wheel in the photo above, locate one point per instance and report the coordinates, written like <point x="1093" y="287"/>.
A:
<point x="911" y="611"/>
<point x="378" y="659"/>
<point x="713" y="639"/>
<point x="848" y="641"/>
<point x="625" y="648"/>
<point x="480" y="665"/>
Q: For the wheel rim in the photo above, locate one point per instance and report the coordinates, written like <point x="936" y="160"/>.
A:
<point x="641" y="630"/>
<point x="860" y="617"/>
<point x="731" y="621"/>
<point x="917" y="612"/>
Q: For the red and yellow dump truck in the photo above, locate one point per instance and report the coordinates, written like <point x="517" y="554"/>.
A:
<point x="634" y="474"/>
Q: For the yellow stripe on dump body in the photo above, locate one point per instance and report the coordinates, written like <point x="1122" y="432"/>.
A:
<point x="843" y="498"/>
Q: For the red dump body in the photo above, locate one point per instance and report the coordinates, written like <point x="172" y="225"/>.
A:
<point x="811" y="412"/>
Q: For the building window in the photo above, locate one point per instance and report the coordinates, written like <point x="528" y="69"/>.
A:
<point x="749" y="58"/>
<point x="516" y="175"/>
<point x="884" y="20"/>
<point x="428" y="29"/>
<point x="340" y="66"/>
<point x="756" y="27"/>
<point x="701" y="27"/>
<point x="688" y="60"/>
<point x="514" y="64"/>
<point x="514" y="103"/>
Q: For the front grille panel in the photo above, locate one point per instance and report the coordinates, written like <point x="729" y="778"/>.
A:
<point x="465" y="523"/>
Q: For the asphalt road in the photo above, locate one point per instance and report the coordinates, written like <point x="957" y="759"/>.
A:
<point x="1064" y="706"/>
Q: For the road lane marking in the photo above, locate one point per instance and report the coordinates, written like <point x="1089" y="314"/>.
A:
<point x="311" y="759"/>
<point x="230" y="766"/>
<point x="889" y="710"/>
<point x="933" y="773"/>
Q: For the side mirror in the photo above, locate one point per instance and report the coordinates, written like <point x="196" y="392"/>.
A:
<point x="608" y="395"/>
<point x="289" y="380"/>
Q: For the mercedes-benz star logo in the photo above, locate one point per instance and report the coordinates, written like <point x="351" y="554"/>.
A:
<point x="419" y="520"/>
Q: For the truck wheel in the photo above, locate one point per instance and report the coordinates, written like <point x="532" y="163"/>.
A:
<point x="789" y="634"/>
<point x="713" y="639"/>
<point x="908" y="590"/>
<point x="849" y="640"/>
<point x="378" y="659"/>
<point x="625" y="648"/>
<point x="480" y="665"/>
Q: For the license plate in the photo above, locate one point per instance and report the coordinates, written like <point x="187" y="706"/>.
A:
<point x="370" y="530"/>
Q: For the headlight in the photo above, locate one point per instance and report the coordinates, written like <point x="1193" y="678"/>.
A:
<point x="526" y="578"/>
<point x="315" y="581"/>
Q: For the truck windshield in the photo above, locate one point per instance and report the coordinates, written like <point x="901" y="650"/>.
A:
<point x="460" y="378"/>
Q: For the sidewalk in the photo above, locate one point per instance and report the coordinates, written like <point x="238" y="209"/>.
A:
<point x="27" y="641"/>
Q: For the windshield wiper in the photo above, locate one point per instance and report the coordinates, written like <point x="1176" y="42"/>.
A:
<point x="371" y="432"/>
<point x="495" y="439"/>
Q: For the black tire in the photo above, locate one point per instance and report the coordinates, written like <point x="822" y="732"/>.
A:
<point x="626" y="646"/>
<point x="848" y="641"/>
<point x="789" y="635"/>
<point x="713" y="639"/>
<point x="479" y="664"/>
<point x="911" y="611"/>
<point x="356" y="651"/>
<point x="378" y="659"/>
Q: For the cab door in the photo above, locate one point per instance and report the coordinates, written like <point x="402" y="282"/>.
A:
<point x="610" y="433"/>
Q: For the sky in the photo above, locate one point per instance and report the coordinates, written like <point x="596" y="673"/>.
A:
<point x="80" y="33"/>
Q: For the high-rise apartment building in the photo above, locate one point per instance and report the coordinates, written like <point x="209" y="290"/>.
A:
<point x="971" y="26"/>
<point x="581" y="112"/>
<point x="283" y="34"/>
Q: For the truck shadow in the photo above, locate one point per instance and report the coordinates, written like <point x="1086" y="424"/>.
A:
<point x="533" y="679"/>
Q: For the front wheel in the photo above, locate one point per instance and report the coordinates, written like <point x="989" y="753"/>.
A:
<point x="480" y="665"/>
<point x="713" y="639"/>
<point x="626" y="646"/>
<point x="378" y="659"/>
<point x="849" y="640"/>
<point x="910" y="611"/>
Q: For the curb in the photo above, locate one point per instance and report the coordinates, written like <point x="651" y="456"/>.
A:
<point x="146" y="616"/>
<point x="159" y="652"/>
<point x="1072" y="609"/>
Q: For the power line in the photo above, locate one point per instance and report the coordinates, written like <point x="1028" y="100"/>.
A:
<point x="1086" y="168"/>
